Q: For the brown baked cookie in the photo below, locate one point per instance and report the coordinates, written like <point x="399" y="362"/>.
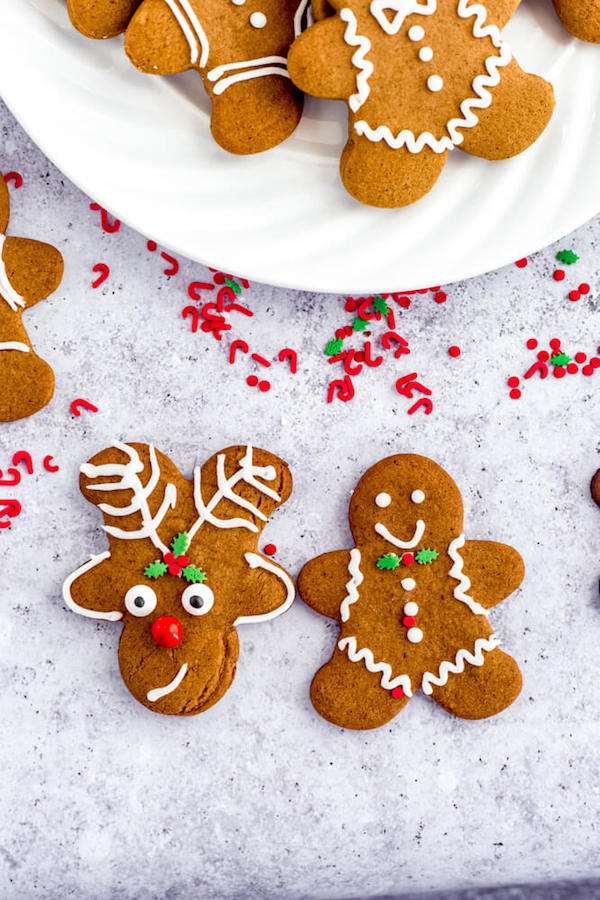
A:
<point x="581" y="18"/>
<point x="595" y="488"/>
<point x="101" y="18"/>
<point x="29" y="272"/>
<point x="412" y="598"/>
<point x="239" y="47"/>
<point x="182" y="569"/>
<point x="419" y="78"/>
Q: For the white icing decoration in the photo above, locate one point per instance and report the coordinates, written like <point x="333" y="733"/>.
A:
<point x="157" y="693"/>
<point x="129" y="480"/>
<point x="15" y="345"/>
<point x="435" y="83"/>
<point x="238" y="2"/>
<point x="365" y="67"/>
<point x="464" y="583"/>
<point x="403" y="545"/>
<point x="365" y="655"/>
<point x="304" y="7"/>
<point x="458" y="666"/>
<point x="13" y="299"/>
<point x="402" y="8"/>
<point x="411" y="608"/>
<point x="481" y="83"/>
<point x="409" y="584"/>
<point x="417" y="496"/>
<point x="258" y="20"/>
<point x="246" y="472"/>
<point x="416" y="33"/>
<point x="247" y="69"/>
<point x="425" y="54"/>
<point x="382" y="500"/>
<point x="192" y="29"/>
<point x="257" y="562"/>
<point x="89" y="613"/>
<point x="356" y="579"/>
<point x="415" y="635"/>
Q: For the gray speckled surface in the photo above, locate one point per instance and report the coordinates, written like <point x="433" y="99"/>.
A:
<point x="259" y="797"/>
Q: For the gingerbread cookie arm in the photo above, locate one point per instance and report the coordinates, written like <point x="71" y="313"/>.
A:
<point x="34" y="269"/>
<point x="522" y="105"/>
<point x="267" y="591"/>
<point x="101" y="19"/>
<point x="323" y="582"/>
<point x="155" y="40"/>
<point x="320" y="62"/>
<point x="480" y="690"/>
<point x="89" y="590"/>
<point x="494" y="570"/>
<point x="500" y="12"/>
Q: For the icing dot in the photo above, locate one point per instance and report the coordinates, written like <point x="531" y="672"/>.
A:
<point x="425" y="54"/>
<point x="415" y="635"/>
<point x="408" y="621"/>
<point x="435" y="83"/>
<point x="411" y="608"/>
<point x="397" y="693"/>
<point x="408" y="559"/>
<point x="239" y="2"/>
<point x="258" y="20"/>
<point x="409" y="584"/>
<point x="417" y="496"/>
<point x="416" y="33"/>
<point x="382" y="500"/>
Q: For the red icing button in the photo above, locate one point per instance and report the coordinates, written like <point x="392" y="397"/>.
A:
<point x="408" y="559"/>
<point x="409" y="621"/>
<point x="167" y="631"/>
<point x="397" y="693"/>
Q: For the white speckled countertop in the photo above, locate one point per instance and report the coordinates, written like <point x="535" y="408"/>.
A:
<point x="259" y="797"/>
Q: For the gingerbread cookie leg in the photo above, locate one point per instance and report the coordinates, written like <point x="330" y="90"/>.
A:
<point x="495" y="571"/>
<point x="480" y="690"/>
<point x="101" y="18"/>
<point x="401" y="178"/>
<point x="522" y="105"/>
<point x="322" y="582"/>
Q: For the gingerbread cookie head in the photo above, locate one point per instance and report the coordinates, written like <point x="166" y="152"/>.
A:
<point x="581" y="18"/>
<point x="101" y="18"/>
<point x="29" y="272"/>
<point x="419" y="78"/>
<point x="411" y="598"/>
<point x="239" y="47"/>
<point x="183" y="569"/>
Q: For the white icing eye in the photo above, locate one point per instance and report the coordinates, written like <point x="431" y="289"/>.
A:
<point x="259" y="20"/>
<point x="197" y="599"/>
<point x="382" y="500"/>
<point x="140" y="600"/>
<point x="435" y="83"/>
<point x="417" y="496"/>
<point x="415" y="635"/>
<point x="416" y="33"/>
<point x="409" y="584"/>
<point x="411" y="608"/>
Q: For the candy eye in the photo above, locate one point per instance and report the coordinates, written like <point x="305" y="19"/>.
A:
<point x="417" y="496"/>
<point x="382" y="500"/>
<point x="140" y="600"/>
<point x="197" y="599"/>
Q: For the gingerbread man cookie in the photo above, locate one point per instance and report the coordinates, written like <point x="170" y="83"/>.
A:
<point x="101" y="18"/>
<point x="581" y="18"/>
<point x="239" y="47"/>
<point x="182" y="569"/>
<point x="411" y="598"/>
<point x="29" y="272"/>
<point x="420" y="77"/>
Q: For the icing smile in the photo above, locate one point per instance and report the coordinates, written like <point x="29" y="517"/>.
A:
<point x="157" y="693"/>
<point x="397" y="542"/>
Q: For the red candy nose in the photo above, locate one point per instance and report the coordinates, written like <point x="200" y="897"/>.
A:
<point x="167" y="631"/>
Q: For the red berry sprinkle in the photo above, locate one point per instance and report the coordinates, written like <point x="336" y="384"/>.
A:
<point x="408" y="559"/>
<point x="183" y="561"/>
<point x="434" y="290"/>
<point x="584" y="288"/>
<point x="151" y="245"/>
<point x="408" y="621"/>
<point x="559" y="372"/>
<point x="572" y="368"/>
<point x="543" y="356"/>
<point x="580" y="357"/>
<point x="264" y="386"/>
<point x="252" y="380"/>
<point x="404" y="302"/>
<point x="397" y="693"/>
<point x="588" y="370"/>
<point x="174" y="569"/>
<point x="515" y="394"/>
<point x="559" y="275"/>
<point x="340" y="333"/>
<point x="521" y="263"/>
<point x="270" y="549"/>
<point x="574" y="296"/>
<point x="169" y="558"/>
<point x="513" y="381"/>
<point x="555" y="343"/>
<point x="440" y="297"/>
<point x="350" y="305"/>
<point x="532" y="344"/>
<point x="454" y="351"/>
<point x="595" y="362"/>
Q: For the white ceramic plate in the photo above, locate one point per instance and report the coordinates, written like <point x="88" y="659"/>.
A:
<point x="141" y="147"/>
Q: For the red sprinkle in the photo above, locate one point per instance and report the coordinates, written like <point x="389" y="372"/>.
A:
<point x="104" y="271"/>
<point x="588" y="370"/>
<point x="543" y="356"/>
<point x="408" y="559"/>
<point x="440" y="297"/>
<point x="513" y="381"/>
<point x="555" y="343"/>
<point x="261" y="360"/>
<point x="559" y="372"/>
<point x="574" y="296"/>
<point x="595" y="362"/>
<point x="584" y="288"/>
<point x="397" y="693"/>
<point x="580" y="357"/>
<point x="350" y="305"/>
<point x="404" y="302"/>
<point x="572" y="368"/>
<point x="264" y="386"/>
<point x="270" y="549"/>
<point x="515" y="394"/>
<point x="454" y="351"/>
<point x="15" y="177"/>
<point x="77" y="405"/>
<point x="151" y="245"/>
<point x="408" y="621"/>
<point x="532" y="344"/>
<point x="252" y="380"/>
<point x="559" y="275"/>
<point x="521" y="263"/>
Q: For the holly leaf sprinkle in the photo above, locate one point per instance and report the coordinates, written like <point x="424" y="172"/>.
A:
<point x="156" y="569"/>
<point x="233" y="285"/>
<point x="334" y="346"/>
<point x="193" y="574"/>
<point x="426" y="555"/>
<point x="560" y="359"/>
<point x="389" y="561"/>
<point x="567" y="256"/>
<point x="359" y="324"/>
<point x="179" y="544"/>
<point x="380" y="305"/>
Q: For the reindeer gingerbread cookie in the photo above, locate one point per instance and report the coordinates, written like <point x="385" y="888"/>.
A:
<point x="239" y="47"/>
<point x="182" y="570"/>
<point x="581" y="18"/>
<point x="29" y="272"/>
<point x="101" y="18"/>
<point x="420" y="77"/>
<point x="411" y="598"/>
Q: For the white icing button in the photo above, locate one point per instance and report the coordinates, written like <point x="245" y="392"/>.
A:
<point x="425" y="53"/>
<point x="416" y="33"/>
<point x="411" y="608"/>
<point x="258" y="20"/>
<point x="417" y="496"/>
<point x="435" y="83"/>
<point x="415" y="635"/>
<point x="239" y="2"/>
<point x="409" y="584"/>
<point x="382" y="500"/>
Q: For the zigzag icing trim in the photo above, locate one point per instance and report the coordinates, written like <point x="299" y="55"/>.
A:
<point x="352" y="585"/>
<point x="353" y="39"/>
<point x="458" y="666"/>
<point x="464" y="582"/>
<point x="350" y="645"/>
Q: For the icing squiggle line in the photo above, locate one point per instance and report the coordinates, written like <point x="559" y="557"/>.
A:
<point x="157" y="693"/>
<point x="482" y="100"/>
<point x="458" y="666"/>
<point x="257" y="562"/>
<point x="15" y="345"/>
<point x="464" y="583"/>
<point x="193" y="30"/>
<point x="365" y="655"/>
<point x="249" y="68"/>
<point x="353" y="39"/>
<point x="402" y="545"/>
<point x="88" y="613"/>
<point x="303" y="17"/>
<point x="356" y="579"/>
<point x="13" y="299"/>
<point x="403" y="8"/>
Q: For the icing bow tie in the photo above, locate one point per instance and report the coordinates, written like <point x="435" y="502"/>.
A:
<point x="381" y="10"/>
